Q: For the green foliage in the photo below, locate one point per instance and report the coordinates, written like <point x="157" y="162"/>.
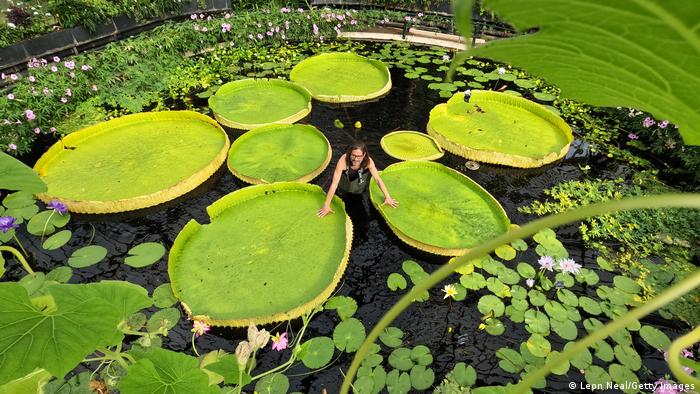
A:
<point x="144" y="254"/>
<point x="89" y="13"/>
<point x="164" y="371"/>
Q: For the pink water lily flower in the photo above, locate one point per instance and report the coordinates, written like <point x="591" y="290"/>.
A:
<point x="200" y="328"/>
<point x="280" y="341"/>
<point x="546" y="262"/>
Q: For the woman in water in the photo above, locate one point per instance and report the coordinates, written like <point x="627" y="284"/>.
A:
<point x="351" y="177"/>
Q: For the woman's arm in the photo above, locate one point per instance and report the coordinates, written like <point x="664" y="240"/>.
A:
<point x="375" y="174"/>
<point x="337" y="173"/>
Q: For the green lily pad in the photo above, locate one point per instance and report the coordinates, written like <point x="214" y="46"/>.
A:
<point x="400" y="359"/>
<point x="411" y="145"/>
<point x="398" y="382"/>
<point x="491" y="303"/>
<point x="286" y="260"/>
<point x="275" y="383"/>
<point x="317" y="352"/>
<point x="144" y="254"/>
<point x="249" y="103"/>
<point x="354" y="78"/>
<point x="87" y="256"/>
<point x="57" y="240"/>
<point x="654" y="337"/>
<point x="60" y="274"/>
<point x="501" y="129"/>
<point x="132" y="162"/>
<point x="422" y="377"/>
<point x="628" y="357"/>
<point x="589" y="305"/>
<point x="511" y="361"/>
<point x="526" y="270"/>
<point x="165" y="318"/>
<point x="278" y="153"/>
<point x="505" y="252"/>
<point x="349" y="334"/>
<point x="564" y="328"/>
<point x="538" y="345"/>
<point x="46" y="222"/>
<point x="421" y="355"/>
<point x="622" y="375"/>
<point x="544" y="96"/>
<point x="163" y="296"/>
<point x="391" y="337"/>
<point x="581" y="360"/>
<point x="442" y="211"/>
<point x="596" y="375"/>
<point x="396" y="281"/>
<point x="345" y="306"/>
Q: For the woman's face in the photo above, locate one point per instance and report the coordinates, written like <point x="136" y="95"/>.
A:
<point x="356" y="157"/>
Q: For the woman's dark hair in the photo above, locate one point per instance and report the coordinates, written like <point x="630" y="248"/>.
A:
<point x="357" y="145"/>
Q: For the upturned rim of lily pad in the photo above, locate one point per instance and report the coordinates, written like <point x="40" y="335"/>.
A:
<point x="501" y="158"/>
<point x="230" y="201"/>
<point x="241" y="84"/>
<point x="384" y="142"/>
<point x="252" y="134"/>
<point x="347" y="57"/>
<point x="184" y="186"/>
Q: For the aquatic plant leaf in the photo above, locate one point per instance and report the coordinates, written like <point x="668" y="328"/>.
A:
<point x="144" y="254"/>
<point x="29" y="384"/>
<point x="628" y="357"/>
<point x="227" y="367"/>
<point x="537" y="322"/>
<point x="250" y="103"/>
<point x="473" y="281"/>
<point x="442" y="211"/>
<point x="163" y="296"/>
<point x="604" y="351"/>
<point x="411" y="145"/>
<point x="352" y="77"/>
<point x="20" y="199"/>
<point x="422" y="377"/>
<point x="589" y="305"/>
<point x="626" y="284"/>
<point x="398" y="382"/>
<point x="391" y="337"/>
<point x="286" y="260"/>
<point x="279" y="153"/>
<point x="491" y="303"/>
<point x="421" y="355"/>
<point x="581" y="360"/>
<point x="165" y="318"/>
<point x="275" y="383"/>
<point x="463" y="375"/>
<point x="651" y="55"/>
<point x="345" y="306"/>
<point x="564" y="328"/>
<point x="396" y="281"/>
<point x="596" y="375"/>
<point x="495" y="327"/>
<point x="499" y="128"/>
<point x="562" y="367"/>
<point x="317" y="352"/>
<point x="654" y="337"/>
<point x="57" y="240"/>
<point x="400" y="359"/>
<point x="621" y="375"/>
<point x="87" y="256"/>
<point x="526" y="270"/>
<point x="349" y="334"/>
<point x="505" y="252"/>
<point x="161" y="371"/>
<point x="363" y="384"/>
<point x="511" y="361"/>
<point x="132" y="162"/>
<point x="46" y="222"/>
<point x="538" y="345"/>
<point x="15" y="175"/>
<point x="32" y="338"/>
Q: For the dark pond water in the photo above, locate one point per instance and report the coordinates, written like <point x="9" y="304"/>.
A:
<point x="449" y="329"/>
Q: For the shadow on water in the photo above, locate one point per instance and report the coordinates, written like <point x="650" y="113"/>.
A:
<point x="449" y="329"/>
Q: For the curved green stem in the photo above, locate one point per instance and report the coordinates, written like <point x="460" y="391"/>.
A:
<point x="306" y="319"/>
<point x="688" y="200"/>
<point x="19" y="257"/>
<point x="43" y="232"/>
<point x="20" y="245"/>
<point x="194" y="347"/>
<point x="674" y="362"/>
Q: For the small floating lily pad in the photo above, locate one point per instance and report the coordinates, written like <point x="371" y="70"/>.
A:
<point x="264" y="257"/>
<point x="132" y="162"/>
<point x="278" y="153"/>
<point x="342" y="77"/>
<point x="411" y="145"/>
<point x="441" y="211"/>
<point x="251" y="103"/>
<point x="501" y="129"/>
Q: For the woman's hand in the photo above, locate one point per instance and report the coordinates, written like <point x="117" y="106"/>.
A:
<point x="324" y="211"/>
<point x="391" y="202"/>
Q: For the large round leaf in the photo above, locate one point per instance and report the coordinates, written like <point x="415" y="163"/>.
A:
<point x="264" y="257"/>
<point x="441" y="211"/>
<point x="132" y="162"/>
<point x="411" y="145"/>
<point x="500" y="128"/>
<point x="251" y="103"/>
<point x="342" y="77"/>
<point x="278" y="153"/>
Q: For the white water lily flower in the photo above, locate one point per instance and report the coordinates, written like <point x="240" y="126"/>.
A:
<point x="450" y="291"/>
<point x="257" y="338"/>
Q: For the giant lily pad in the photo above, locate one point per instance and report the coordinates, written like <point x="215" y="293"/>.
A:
<point x="441" y="211"/>
<point x="411" y="145"/>
<point x="132" y="162"/>
<point x="279" y="153"/>
<point x="264" y="257"/>
<point x="251" y="103"/>
<point x="342" y="77"/>
<point x="500" y="128"/>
